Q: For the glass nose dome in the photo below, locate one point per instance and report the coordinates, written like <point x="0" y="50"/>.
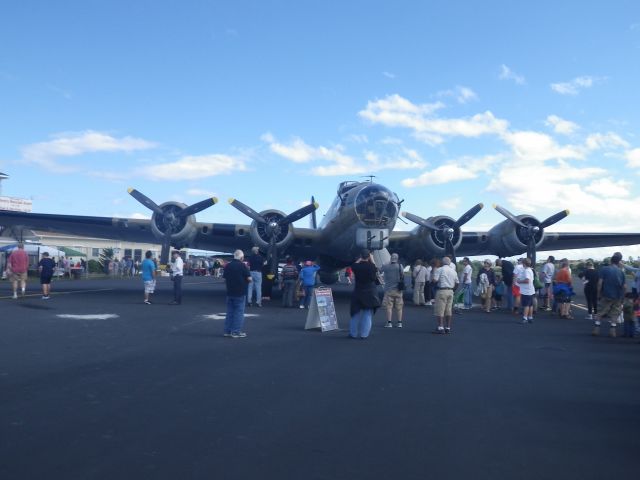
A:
<point x="376" y="206"/>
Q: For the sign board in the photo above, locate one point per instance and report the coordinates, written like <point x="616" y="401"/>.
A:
<point x="322" y="311"/>
<point x="15" y="204"/>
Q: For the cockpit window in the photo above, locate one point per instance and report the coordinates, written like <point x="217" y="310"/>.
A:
<point x="376" y="206"/>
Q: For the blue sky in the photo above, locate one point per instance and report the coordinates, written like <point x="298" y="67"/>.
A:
<point x="533" y="107"/>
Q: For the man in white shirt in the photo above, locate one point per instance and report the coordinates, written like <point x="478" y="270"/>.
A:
<point x="177" y="266"/>
<point x="467" y="273"/>
<point x="419" y="279"/>
<point x="447" y="280"/>
<point x="547" y="274"/>
<point x="527" y="290"/>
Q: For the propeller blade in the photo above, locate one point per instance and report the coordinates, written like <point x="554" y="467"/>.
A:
<point x="298" y="214"/>
<point x="248" y="211"/>
<point x="531" y="250"/>
<point x="314" y="223"/>
<point x="146" y="201"/>
<point x="420" y="221"/>
<point x="554" y="218"/>
<point x="198" y="207"/>
<point x="166" y="246"/>
<point x="468" y="216"/>
<point x="509" y="215"/>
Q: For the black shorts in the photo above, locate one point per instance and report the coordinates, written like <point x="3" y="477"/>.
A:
<point x="526" y="300"/>
<point x="45" y="279"/>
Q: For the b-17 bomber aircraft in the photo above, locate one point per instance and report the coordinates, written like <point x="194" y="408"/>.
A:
<point x="363" y="215"/>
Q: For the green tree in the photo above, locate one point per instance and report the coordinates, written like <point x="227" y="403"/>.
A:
<point x="106" y="257"/>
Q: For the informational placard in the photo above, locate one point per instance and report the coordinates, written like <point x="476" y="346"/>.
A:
<point x="322" y="311"/>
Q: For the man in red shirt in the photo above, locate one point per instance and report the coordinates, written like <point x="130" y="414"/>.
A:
<point x="17" y="267"/>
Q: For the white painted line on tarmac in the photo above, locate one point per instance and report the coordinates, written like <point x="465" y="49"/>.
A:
<point x="97" y="316"/>
<point x="222" y="316"/>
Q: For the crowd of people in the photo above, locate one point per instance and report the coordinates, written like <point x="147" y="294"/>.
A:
<point x="516" y="287"/>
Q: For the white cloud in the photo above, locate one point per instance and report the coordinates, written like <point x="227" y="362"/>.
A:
<point x="461" y="94"/>
<point x="633" y="158"/>
<point x="342" y="164"/>
<point x="442" y="174"/>
<point x="608" y="140"/>
<point x="607" y="188"/>
<point x="389" y="75"/>
<point x="574" y="86"/>
<point x="195" y="167"/>
<point x="464" y="168"/>
<point x="507" y="74"/>
<point x="45" y="154"/>
<point x="395" y="111"/>
<point x="561" y="126"/>
<point x="530" y="146"/>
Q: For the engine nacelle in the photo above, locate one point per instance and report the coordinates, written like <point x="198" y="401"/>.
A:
<point x="261" y="233"/>
<point x="432" y="242"/>
<point x="185" y="229"/>
<point x="507" y="239"/>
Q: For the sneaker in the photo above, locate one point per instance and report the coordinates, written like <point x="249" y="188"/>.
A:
<point x="238" y="335"/>
<point x="44" y="297"/>
<point x="530" y="319"/>
<point x="15" y="296"/>
<point x="399" y="325"/>
<point x="388" y="325"/>
<point x="525" y="320"/>
<point x="447" y="330"/>
<point x="147" y="302"/>
<point x="439" y="330"/>
<point x="301" y="306"/>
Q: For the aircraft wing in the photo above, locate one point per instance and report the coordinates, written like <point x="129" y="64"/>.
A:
<point x="418" y="243"/>
<point x="222" y="237"/>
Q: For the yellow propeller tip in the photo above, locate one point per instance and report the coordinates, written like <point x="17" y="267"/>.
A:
<point x="316" y="204"/>
<point x="568" y="211"/>
<point x="482" y="205"/>
<point x="214" y="200"/>
<point x="231" y="200"/>
<point x="130" y="189"/>
<point x="495" y="205"/>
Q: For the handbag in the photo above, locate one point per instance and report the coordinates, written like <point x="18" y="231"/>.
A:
<point x="401" y="285"/>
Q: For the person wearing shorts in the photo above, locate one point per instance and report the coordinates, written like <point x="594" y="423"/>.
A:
<point x="17" y="267"/>
<point x="148" y="268"/>
<point x="527" y="290"/>
<point x="447" y="279"/>
<point x="46" y="267"/>
<point x="393" y="297"/>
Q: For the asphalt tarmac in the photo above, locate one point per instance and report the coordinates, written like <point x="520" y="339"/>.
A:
<point x="156" y="391"/>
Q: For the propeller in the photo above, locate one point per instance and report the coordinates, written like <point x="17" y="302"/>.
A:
<point x="447" y="231"/>
<point x="273" y="226"/>
<point x="532" y="231"/>
<point x="170" y="217"/>
<point x="314" y="223"/>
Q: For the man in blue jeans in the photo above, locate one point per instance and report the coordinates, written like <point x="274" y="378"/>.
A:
<point x="236" y="276"/>
<point x="256" y="261"/>
<point x="308" y="281"/>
